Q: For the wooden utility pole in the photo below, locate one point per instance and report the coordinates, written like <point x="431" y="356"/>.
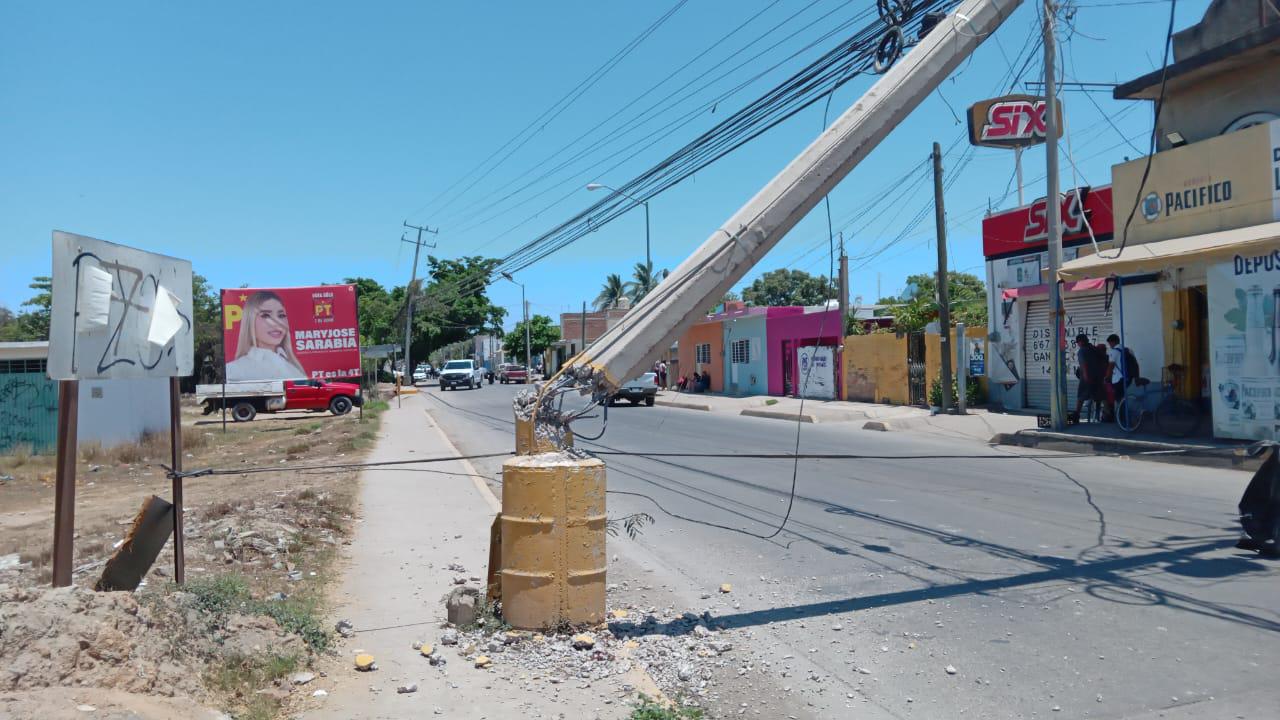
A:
<point x="944" y="297"/>
<point x="407" y="376"/>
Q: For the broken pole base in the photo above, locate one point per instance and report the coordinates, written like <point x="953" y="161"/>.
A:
<point x="553" y="541"/>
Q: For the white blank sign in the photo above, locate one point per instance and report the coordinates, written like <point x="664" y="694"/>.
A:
<point x="149" y="299"/>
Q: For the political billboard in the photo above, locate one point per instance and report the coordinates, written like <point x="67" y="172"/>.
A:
<point x="302" y="333"/>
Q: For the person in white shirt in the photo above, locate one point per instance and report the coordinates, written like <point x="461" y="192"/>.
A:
<point x="264" y="350"/>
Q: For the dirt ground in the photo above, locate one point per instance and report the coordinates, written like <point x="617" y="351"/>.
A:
<point x="259" y="553"/>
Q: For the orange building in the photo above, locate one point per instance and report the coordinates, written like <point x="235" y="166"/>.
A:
<point x="702" y="351"/>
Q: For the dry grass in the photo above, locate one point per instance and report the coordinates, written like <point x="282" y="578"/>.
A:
<point x="21" y="455"/>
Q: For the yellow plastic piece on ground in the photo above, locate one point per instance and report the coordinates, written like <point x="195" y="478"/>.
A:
<point x="553" y="541"/>
<point x="726" y="587"/>
<point x="364" y="662"/>
<point x="426" y="649"/>
<point x="483" y="661"/>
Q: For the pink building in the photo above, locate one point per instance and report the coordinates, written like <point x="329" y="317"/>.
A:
<point x="786" y="334"/>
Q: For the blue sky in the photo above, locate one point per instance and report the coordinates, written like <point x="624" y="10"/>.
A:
<point x="284" y="143"/>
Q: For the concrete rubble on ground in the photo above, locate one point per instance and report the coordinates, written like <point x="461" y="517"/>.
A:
<point x="681" y="652"/>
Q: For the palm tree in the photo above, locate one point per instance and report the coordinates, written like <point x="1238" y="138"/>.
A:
<point x="611" y="292"/>
<point x="645" y="281"/>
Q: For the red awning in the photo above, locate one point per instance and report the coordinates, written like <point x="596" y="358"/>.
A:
<point x="1074" y="286"/>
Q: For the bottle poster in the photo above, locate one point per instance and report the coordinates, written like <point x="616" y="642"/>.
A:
<point x="1245" y="345"/>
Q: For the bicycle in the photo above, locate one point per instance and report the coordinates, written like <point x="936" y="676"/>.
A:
<point x="1174" y="415"/>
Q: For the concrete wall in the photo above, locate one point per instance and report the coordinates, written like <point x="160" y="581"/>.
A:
<point x="753" y="376"/>
<point x="875" y="369"/>
<point x="121" y="411"/>
<point x="1205" y="109"/>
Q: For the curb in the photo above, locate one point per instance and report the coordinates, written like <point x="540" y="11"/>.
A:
<point x="1197" y="455"/>
<point x="683" y="405"/>
<point x="779" y="415"/>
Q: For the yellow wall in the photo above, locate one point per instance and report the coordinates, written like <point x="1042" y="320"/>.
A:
<point x="875" y="366"/>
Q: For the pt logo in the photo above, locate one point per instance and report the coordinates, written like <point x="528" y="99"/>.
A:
<point x="1015" y="120"/>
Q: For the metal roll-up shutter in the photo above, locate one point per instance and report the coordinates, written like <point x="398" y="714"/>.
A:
<point x="1036" y="345"/>
<point x="1086" y="314"/>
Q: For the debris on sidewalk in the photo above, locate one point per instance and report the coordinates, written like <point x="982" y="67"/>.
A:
<point x="461" y="605"/>
<point x="407" y="688"/>
<point x="365" y="663"/>
<point x="583" y="641"/>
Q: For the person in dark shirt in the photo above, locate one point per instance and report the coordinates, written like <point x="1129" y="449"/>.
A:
<point x="1089" y="370"/>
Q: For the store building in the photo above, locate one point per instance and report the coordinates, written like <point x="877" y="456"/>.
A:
<point x="1202" y="217"/>
<point x="1020" y="326"/>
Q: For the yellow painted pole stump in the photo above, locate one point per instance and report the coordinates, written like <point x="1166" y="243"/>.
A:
<point x="553" y="541"/>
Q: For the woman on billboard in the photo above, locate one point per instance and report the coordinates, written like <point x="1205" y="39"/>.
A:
<point x="264" y="350"/>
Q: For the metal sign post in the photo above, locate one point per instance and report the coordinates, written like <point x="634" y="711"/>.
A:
<point x="64" y="499"/>
<point x="175" y="456"/>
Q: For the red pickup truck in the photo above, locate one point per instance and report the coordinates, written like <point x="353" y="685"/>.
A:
<point x="246" y="400"/>
<point x="512" y="373"/>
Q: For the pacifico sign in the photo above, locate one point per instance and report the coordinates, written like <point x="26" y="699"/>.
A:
<point x="1225" y="182"/>
<point x="1010" y="121"/>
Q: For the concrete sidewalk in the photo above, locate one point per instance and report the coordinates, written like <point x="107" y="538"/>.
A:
<point x="414" y="522"/>
<point x="979" y="424"/>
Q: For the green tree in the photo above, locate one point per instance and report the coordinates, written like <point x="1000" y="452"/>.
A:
<point x="377" y="311"/>
<point x="643" y="281"/>
<point x="30" y="325"/>
<point x="789" y="287"/>
<point x="919" y="304"/>
<point x="451" y="303"/>
<point x="542" y="333"/>
<point x="611" y="292"/>
<point x="207" y="331"/>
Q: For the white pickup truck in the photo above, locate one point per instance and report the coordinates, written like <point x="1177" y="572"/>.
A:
<point x="461" y="373"/>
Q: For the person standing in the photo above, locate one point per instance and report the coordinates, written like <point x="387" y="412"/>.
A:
<point x="1122" y="368"/>
<point x="1089" y="369"/>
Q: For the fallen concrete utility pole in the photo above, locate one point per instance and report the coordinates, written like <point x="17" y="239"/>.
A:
<point x="553" y="524"/>
<point x="733" y="249"/>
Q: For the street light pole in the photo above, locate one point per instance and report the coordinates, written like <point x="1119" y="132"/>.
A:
<point x="528" y="350"/>
<point x="648" y="259"/>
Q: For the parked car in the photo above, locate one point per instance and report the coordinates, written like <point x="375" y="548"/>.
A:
<point x="461" y="373"/>
<point x="247" y="399"/>
<point x="642" y="389"/>
<point x="512" y="373"/>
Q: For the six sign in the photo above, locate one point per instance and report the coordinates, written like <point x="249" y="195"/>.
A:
<point x="1011" y="121"/>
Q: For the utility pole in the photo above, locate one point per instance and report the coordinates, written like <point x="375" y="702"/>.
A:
<point x="408" y="299"/>
<point x="944" y="297"/>
<point x="1053" y="221"/>
<point x="844" y="290"/>
<point x="583" y="346"/>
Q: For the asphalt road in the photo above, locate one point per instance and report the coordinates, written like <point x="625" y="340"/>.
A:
<point x="1068" y="587"/>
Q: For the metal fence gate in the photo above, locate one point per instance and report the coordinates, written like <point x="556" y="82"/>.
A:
<point x="28" y="407"/>
<point x="916" y="381"/>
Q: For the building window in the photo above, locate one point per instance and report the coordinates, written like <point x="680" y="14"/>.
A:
<point x="741" y="351"/>
<point x="702" y="353"/>
<point x="8" y="367"/>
